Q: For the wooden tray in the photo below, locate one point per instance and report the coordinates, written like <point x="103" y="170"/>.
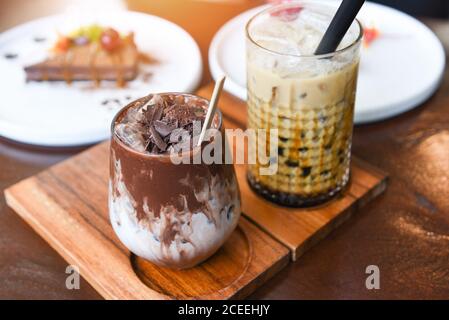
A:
<point x="67" y="206"/>
<point x="299" y="229"/>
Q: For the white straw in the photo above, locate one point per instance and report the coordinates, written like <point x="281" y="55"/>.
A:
<point x="212" y="108"/>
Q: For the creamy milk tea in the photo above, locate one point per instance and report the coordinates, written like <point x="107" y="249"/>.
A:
<point x="308" y="98"/>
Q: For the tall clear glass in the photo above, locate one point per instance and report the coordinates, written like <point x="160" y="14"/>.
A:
<point x="308" y="98"/>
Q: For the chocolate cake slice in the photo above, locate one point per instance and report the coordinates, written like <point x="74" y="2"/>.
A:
<point x="89" y="55"/>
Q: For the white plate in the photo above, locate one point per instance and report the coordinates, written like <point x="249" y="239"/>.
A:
<point x="398" y="72"/>
<point x="56" y="114"/>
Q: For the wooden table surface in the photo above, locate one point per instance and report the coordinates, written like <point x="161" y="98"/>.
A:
<point x="405" y="232"/>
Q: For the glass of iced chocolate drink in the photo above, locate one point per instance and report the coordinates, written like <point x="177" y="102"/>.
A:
<point x="172" y="213"/>
<point x="309" y="98"/>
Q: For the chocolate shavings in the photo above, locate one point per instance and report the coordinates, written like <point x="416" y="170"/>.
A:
<point x="163" y="128"/>
<point x="167" y="123"/>
<point x="157" y="139"/>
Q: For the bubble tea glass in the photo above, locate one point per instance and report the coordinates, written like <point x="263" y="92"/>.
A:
<point x="308" y="98"/>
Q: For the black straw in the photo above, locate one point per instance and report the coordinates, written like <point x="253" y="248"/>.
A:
<point x="340" y="24"/>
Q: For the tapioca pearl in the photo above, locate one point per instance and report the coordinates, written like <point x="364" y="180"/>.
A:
<point x="340" y="145"/>
<point x="289" y="166"/>
<point x="328" y="145"/>
<point x="321" y="115"/>
<point x="282" y="115"/>
<point x="284" y="144"/>
<point x="281" y="151"/>
<point x="323" y="120"/>
<point x="284" y="169"/>
<point x="292" y="163"/>
<point x="306" y="171"/>
<point x="325" y="174"/>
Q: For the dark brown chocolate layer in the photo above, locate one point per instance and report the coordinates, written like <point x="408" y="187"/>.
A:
<point x="162" y="182"/>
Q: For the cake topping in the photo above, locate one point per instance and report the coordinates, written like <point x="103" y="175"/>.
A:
<point x="109" y="38"/>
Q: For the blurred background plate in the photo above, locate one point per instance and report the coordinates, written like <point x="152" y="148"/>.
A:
<point x="398" y="71"/>
<point x="57" y="114"/>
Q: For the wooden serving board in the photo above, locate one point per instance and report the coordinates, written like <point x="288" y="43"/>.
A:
<point x="67" y="206"/>
<point x="299" y="229"/>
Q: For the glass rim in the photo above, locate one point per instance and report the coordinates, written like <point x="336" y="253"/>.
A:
<point x="119" y="113"/>
<point x="314" y="56"/>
